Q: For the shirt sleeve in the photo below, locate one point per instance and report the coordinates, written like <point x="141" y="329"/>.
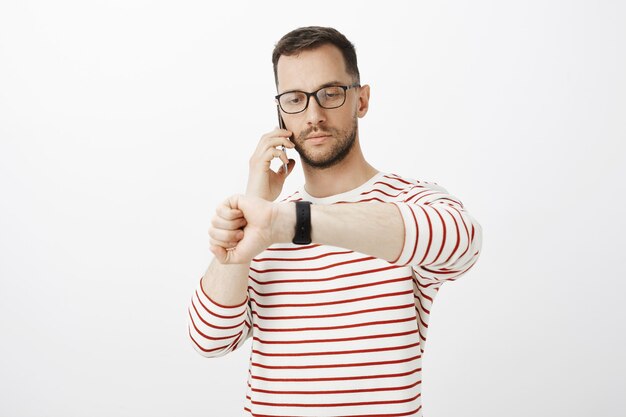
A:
<point x="216" y="329"/>
<point x="442" y="240"/>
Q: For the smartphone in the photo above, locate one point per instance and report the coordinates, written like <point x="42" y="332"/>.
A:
<point x="281" y="124"/>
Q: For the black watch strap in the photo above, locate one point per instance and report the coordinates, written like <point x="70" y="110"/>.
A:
<point x="303" y="223"/>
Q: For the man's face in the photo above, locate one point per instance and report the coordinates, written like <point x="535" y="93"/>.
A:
<point x="309" y="71"/>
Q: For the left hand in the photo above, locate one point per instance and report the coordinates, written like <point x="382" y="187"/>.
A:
<point x="259" y="214"/>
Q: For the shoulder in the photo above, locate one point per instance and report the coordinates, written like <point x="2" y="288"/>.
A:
<point x="407" y="183"/>
<point x="411" y="190"/>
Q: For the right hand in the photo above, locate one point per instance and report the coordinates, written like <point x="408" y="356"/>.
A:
<point x="226" y="227"/>
<point x="262" y="181"/>
<point x="243" y="227"/>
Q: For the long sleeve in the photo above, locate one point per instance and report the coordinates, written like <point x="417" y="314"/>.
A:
<point x="216" y="329"/>
<point x="441" y="240"/>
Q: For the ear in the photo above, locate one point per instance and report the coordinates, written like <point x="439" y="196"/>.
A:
<point x="364" y="100"/>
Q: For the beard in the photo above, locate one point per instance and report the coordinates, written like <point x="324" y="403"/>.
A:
<point x="338" y="146"/>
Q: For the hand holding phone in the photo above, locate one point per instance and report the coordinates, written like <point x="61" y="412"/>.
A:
<point x="263" y="181"/>
<point x="281" y="124"/>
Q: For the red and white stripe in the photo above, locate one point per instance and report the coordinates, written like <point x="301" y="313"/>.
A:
<point x="336" y="332"/>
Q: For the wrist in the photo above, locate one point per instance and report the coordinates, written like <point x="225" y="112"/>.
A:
<point x="284" y="224"/>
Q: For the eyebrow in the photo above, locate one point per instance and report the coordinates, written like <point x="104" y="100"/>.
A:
<point x="328" y="84"/>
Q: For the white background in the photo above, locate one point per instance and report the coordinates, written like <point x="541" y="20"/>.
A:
<point x="124" y="123"/>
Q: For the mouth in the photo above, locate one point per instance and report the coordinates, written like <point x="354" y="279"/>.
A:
<point x="318" y="136"/>
<point x="317" y="139"/>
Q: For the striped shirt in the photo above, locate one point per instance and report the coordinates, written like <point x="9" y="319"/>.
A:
<point x="336" y="332"/>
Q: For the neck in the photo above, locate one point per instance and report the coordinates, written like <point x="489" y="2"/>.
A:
<point x="347" y="175"/>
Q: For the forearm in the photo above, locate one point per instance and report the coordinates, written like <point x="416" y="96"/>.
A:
<point x="372" y="228"/>
<point x="217" y="313"/>
<point x="226" y="284"/>
<point x="440" y="236"/>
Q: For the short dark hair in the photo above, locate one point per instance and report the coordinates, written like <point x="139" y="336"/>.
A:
<point x="311" y="37"/>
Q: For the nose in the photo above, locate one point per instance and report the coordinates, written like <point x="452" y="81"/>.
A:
<point x="314" y="113"/>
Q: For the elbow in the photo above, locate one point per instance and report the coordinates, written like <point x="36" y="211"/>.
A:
<point x="211" y="348"/>
<point x="212" y="341"/>
<point x="215" y="330"/>
<point x="464" y="257"/>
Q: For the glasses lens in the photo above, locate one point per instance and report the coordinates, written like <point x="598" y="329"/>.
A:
<point x="293" y="102"/>
<point x="331" y="97"/>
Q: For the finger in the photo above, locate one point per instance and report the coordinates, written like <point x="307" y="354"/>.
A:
<point x="275" y="153"/>
<point x="290" y="165"/>
<point x="276" y="136"/>
<point x="233" y="202"/>
<point x="221" y="244"/>
<point x="263" y="153"/>
<point x="275" y="141"/>
<point x="283" y="157"/>
<point x="277" y="132"/>
<point x="227" y="214"/>
<point x="264" y="160"/>
<point x="225" y="211"/>
<point x="221" y="223"/>
<point x="230" y="236"/>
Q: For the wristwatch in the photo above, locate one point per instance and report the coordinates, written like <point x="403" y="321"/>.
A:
<point x="303" y="223"/>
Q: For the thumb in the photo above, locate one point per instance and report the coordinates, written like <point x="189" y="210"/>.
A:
<point x="232" y="202"/>
<point x="219" y="252"/>
<point x="224" y="256"/>
<point x="290" y="166"/>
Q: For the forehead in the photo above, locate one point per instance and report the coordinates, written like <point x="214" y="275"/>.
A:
<point x="311" y="68"/>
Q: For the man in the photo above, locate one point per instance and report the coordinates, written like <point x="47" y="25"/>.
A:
<point x="334" y="294"/>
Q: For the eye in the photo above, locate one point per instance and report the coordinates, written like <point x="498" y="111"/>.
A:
<point x="332" y="92"/>
<point x="293" y="98"/>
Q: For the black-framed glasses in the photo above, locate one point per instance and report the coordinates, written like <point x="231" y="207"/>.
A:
<point x="329" y="97"/>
